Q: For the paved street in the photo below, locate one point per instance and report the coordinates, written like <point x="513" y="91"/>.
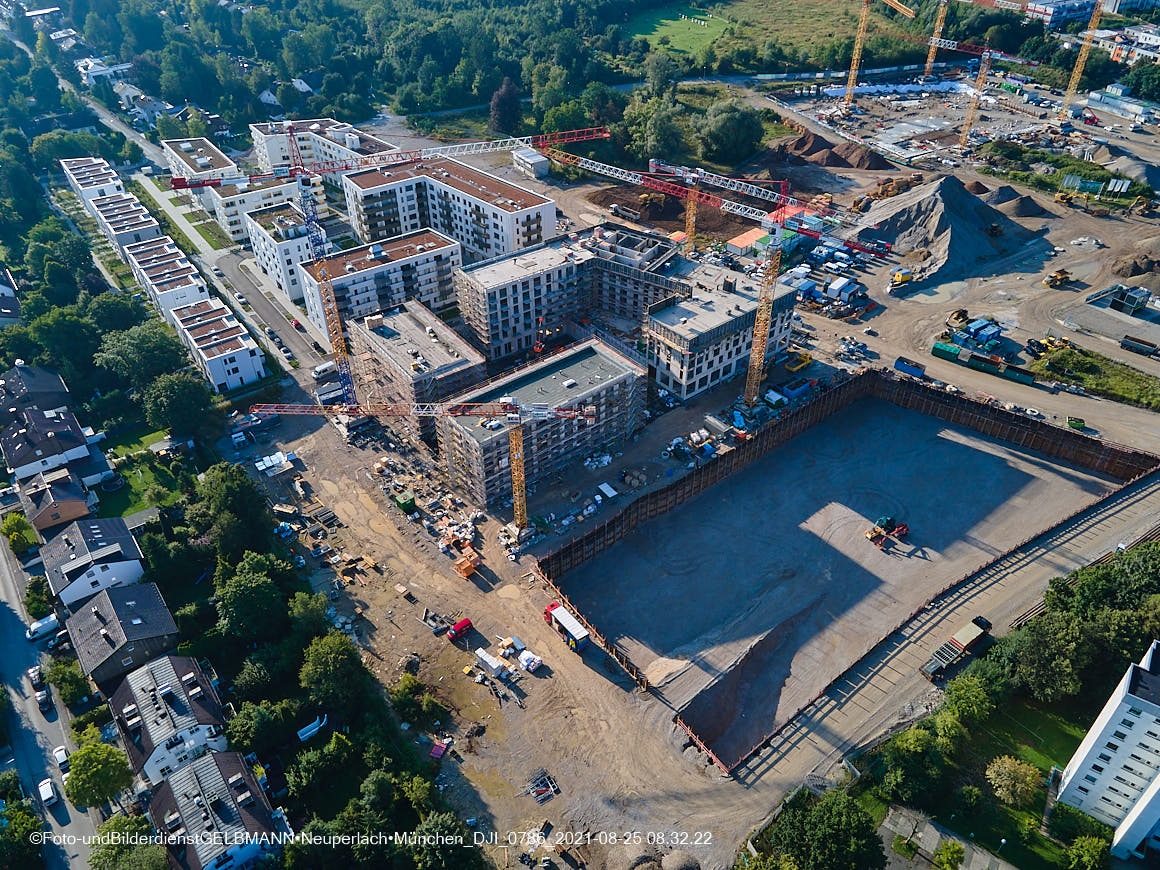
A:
<point x="34" y="734"/>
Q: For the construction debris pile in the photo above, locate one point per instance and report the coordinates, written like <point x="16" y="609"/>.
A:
<point x="940" y="225"/>
<point x="812" y="148"/>
<point x="1144" y="261"/>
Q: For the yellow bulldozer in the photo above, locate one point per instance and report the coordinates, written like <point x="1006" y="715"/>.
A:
<point x="652" y="203"/>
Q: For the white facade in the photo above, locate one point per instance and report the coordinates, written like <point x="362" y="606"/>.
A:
<point x="221" y="348"/>
<point x="97" y="578"/>
<point x="163" y="271"/>
<point x="1113" y="775"/>
<point x="94" y="68"/>
<point x="488" y="216"/>
<point x="197" y="158"/>
<point x="319" y="140"/>
<point x="91" y="178"/>
<point x="229" y="204"/>
<point x="123" y="220"/>
<point x="379" y="276"/>
<point x="1057" y="13"/>
<point x="280" y="242"/>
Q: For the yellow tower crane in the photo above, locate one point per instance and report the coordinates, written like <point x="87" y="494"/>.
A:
<point x="690" y="223"/>
<point x="860" y="39"/>
<point x="976" y="99"/>
<point x="762" y="319"/>
<point x="939" y="22"/>
<point x="1081" y="61"/>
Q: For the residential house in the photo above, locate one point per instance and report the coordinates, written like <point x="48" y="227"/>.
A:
<point x="89" y="556"/>
<point x="168" y="714"/>
<point x="197" y="159"/>
<point x="41" y="441"/>
<point x="91" y="178"/>
<point x="119" y="630"/>
<point x="216" y="814"/>
<point x="124" y="220"/>
<point x="280" y="241"/>
<point x="93" y="68"/>
<point x="52" y="498"/>
<point x="23" y="387"/>
<point x="166" y="274"/>
<point x="222" y="349"/>
<point x="9" y="303"/>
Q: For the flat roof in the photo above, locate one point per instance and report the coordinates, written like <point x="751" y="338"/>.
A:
<point x="401" y="336"/>
<point x="591" y="364"/>
<point x="457" y="176"/>
<point x="123" y="212"/>
<point x="226" y="191"/>
<point x="280" y="216"/>
<point x="524" y="264"/>
<point x="89" y="171"/>
<point x="334" y="130"/>
<point x="190" y="150"/>
<point x="212" y="328"/>
<point x="378" y="254"/>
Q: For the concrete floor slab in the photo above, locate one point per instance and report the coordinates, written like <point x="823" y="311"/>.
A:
<point x="742" y="605"/>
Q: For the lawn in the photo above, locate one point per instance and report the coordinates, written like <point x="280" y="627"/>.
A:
<point x="131" y="497"/>
<point x="665" y="27"/>
<point x="1101" y="376"/>
<point x="213" y="234"/>
<point x="133" y="440"/>
<point x="803" y="24"/>
<point x="149" y="200"/>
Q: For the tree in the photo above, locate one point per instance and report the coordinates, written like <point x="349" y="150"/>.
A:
<point x="142" y="353"/>
<point x="833" y="834"/>
<point x="308" y="614"/>
<point x="115" y="849"/>
<point x="505" y="114"/>
<point x="230" y="509"/>
<point x="1015" y="782"/>
<point x="566" y="116"/>
<point x="1087" y="853"/>
<point x="949" y="855"/>
<point x="652" y="129"/>
<point x="97" y="773"/>
<point x="729" y="131"/>
<point x="333" y="673"/>
<point x="18" y="823"/>
<point x="19" y="532"/>
<point x="774" y="862"/>
<point x="912" y="764"/>
<point x="967" y="698"/>
<point x="660" y="73"/>
<point x="436" y="846"/>
<point x="250" y="605"/>
<point x="180" y="402"/>
<point x="263" y="727"/>
<point x="70" y="682"/>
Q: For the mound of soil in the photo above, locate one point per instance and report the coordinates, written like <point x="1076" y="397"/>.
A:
<point x="1024" y="206"/>
<point x="671" y="217"/>
<point x="828" y="157"/>
<point x="808" y="143"/>
<point x="861" y="157"/>
<point x="960" y="233"/>
<point x="1144" y="260"/>
<point x="1000" y="195"/>
<point x="978" y="188"/>
<point x="680" y="860"/>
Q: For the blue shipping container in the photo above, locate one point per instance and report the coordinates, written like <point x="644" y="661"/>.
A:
<point x="975" y="326"/>
<point x="910" y="367"/>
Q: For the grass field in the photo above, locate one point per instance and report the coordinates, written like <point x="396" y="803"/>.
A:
<point x="665" y="27"/>
<point x="803" y="24"/>
<point x="1101" y="376"/>
<point x="131" y="497"/>
<point x="134" y="440"/>
<point x="213" y="234"/>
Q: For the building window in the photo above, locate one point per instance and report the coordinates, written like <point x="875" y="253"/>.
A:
<point x="126" y="662"/>
<point x="1105" y="757"/>
<point x="1132" y="711"/>
<point x="1098" y="768"/>
<point x="1112" y="746"/>
<point x="1089" y="778"/>
<point x="1083" y="789"/>
<point x="1119" y="735"/>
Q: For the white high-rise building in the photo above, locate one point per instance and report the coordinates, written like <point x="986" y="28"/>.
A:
<point x="1113" y="775"/>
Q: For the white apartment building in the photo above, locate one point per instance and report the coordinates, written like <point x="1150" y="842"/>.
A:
<point x="385" y="274"/>
<point x="166" y="274"/>
<point x="488" y="216"/>
<point x="695" y="343"/>
<point x="192" y="725"/>
<point x="123" y="220"/>
<point x="1112" y="777"/>
<point x="1056" y="13"/>
<point x="319" y="140"/>
<point x="197" y="159"/>
<point x="91" y="178"/>
<point x="279" y="239"/>
<point x="230" y="203"/>
<point x="221" y="348"/>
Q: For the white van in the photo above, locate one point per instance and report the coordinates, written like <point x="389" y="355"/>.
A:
<point x="321" y="371"/>
<point x="43" y="627"/>
<point x="834" y="268"/>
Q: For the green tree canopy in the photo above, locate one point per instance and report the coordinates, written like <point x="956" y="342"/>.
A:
<point x="949" y="855"/>
<point x="180" y="402"/>
<point x="97" y="773"/>
<point x="729" y="131"/>
<point x="250" y="604"/>
<point x="333" y="673"/>
<point x="1015" y="782"/>
<point x="113" y="852"/>
<point x="835" y="833"/>
<point x="1087" y="853"/>
<point x="142" y="353"/>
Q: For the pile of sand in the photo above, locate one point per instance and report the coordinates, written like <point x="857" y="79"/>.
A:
<point x="1024" y="206"/>
<point x="1144" y="260"/>
<point x="1136" y="169"/>
<point x="861" y="157"/>
<point x="680" y="860"/>
<point x="1000" y="195"/>
<point x="942" y="218"/>
<point x="821" y="152"/>
<point x="978" y="188"/>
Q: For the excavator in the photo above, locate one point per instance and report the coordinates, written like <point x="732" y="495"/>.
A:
<point x="884" y="529"/>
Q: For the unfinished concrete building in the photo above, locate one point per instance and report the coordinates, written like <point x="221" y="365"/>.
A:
<point x="509" y="302"/>
<point x="410" y="355"/>
<point x="588" y="374"/>
<point x="695" y="343"/>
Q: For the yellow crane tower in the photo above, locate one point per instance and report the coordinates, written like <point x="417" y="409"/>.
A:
<point x="1081" y="61"/>
<point x="690" y="223"/>
<point x="976" y="98"/>
<point x="762" y="319"/>
<point x="939" y="23"/>
<point x="860" y="39"/>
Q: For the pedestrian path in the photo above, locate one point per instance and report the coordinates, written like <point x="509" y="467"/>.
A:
<point x="928" y="836"/>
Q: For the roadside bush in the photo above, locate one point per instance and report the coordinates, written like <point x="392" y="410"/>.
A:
<point x="1067" y="823"/>
<point x="36" y="597"/>
<point x="19" y="532"/>
<point x="10" y="786"/>
<point x="97" y="717"/>
<point x="66" y="675"/>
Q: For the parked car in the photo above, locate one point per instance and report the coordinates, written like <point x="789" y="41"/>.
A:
<point x="218" y="272"/>
<point x="286" y="352"/>
<point x="44" y="700"/>
<point x="61" y="754"/>
<point x="982" y="622"/>
<point x="241" y="299"/>
<point x="270" y="333"/>
<point x="459" y="629"/>
<point x="35" y="678"/>
<point x="318" y="348"/>
<point x="58" y="640"/>
<point x="298" y="325"/>
<point x="46" y="789"/>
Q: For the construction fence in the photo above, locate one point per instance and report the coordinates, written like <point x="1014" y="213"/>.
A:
<point x="1065" y="445"/>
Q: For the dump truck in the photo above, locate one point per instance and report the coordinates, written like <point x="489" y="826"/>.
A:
<point x="1057" y="278"/>
<point x="961" y="643"/>
<point x="1139" y="345"/>
<point x="567" y="626"/>
<point x="797" y="362"/>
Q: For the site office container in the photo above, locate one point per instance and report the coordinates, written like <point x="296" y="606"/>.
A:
<point x="567" y="626"/>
